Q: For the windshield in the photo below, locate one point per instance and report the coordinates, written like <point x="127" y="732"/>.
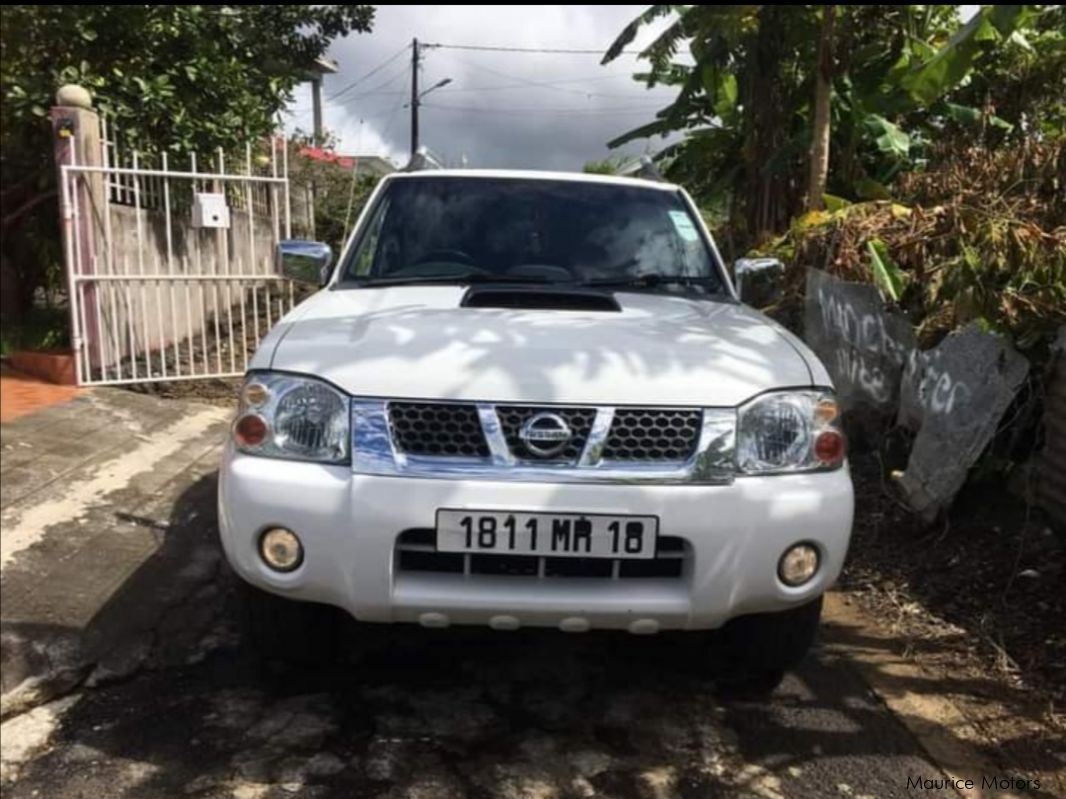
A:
<point x="519" y="230"/>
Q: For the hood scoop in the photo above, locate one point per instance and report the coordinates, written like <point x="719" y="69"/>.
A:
<point x="539" y="298"/>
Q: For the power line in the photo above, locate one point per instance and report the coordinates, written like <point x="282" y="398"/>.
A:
<point x="371" y="73"/>
<point x="392" y="117"/>
<point x="550" y="85"/>
<point x="502" y="49"/>
<point x="546" y="84"/>
<point x="402" y="72"/>
<point x="535" y="110"/>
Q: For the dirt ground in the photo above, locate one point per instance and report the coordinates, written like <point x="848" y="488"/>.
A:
<point x="216" y="391"/>
<point x="977" y="599"/>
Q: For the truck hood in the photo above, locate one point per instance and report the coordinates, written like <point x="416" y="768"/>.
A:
<point x="417" y="342"/>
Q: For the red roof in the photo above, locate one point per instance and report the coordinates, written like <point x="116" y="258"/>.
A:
<point x="319" y="154"/>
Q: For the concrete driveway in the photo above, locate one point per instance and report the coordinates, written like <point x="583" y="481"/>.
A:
<point x="124" y="674"/>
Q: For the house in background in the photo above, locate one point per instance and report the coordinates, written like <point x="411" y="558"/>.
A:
<point x="375" y="165"/>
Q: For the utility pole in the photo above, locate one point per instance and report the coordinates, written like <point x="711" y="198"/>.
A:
<point x="316" y="102"/>
<point x="414" y="97"/>
<point x="314" y="75"/>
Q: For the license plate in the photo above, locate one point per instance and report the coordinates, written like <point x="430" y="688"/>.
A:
<point x="575" y="535"/>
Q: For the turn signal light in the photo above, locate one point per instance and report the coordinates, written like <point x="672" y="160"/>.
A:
<point x="829" y="447"/>
<point x="250" y="430"/>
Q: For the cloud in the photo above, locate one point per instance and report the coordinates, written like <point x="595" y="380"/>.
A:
<point x="501" y="109"/>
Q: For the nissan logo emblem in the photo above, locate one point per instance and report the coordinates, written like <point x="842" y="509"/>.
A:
<point x="545" y="434"/>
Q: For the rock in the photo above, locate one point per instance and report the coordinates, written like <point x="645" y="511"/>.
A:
<point x="324" y="764"/>
<point x="204" y="782"/>
<point x="863" y="345"/>
<point x="123" y="661"/>
<point x="954" y="395"/>
<point x="589" y="763"/>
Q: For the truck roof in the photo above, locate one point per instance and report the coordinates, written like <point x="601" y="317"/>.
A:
<point x="533" y="174"/>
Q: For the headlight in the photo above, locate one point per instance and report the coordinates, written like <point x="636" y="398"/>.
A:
<point x="790" y="431"/>
<point x="285" y="416"/>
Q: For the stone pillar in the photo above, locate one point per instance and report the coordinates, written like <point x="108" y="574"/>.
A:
<point x="76" y="138"/>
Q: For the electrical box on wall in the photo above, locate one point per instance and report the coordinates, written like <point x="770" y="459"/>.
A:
<point x="210" y="210"/>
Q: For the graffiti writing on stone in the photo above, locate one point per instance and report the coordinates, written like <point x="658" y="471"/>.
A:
<point x="935" y="390"/>
<point x="867" y="356"/>
<point x="953" y="396"/>
<point x="864" y="347"/>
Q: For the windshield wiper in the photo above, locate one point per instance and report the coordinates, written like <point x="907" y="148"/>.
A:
<point x="468" y="278"/>
<point x="652" y="280"/>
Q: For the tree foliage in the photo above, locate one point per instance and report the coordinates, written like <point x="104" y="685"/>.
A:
<point x="191" y="77"/>
<point x="340" y="193"/>
<point x="187" y="77"/>
<point x="902" y="76"/>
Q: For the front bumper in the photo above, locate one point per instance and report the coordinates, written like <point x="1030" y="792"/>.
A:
<point x="734" y="536"/>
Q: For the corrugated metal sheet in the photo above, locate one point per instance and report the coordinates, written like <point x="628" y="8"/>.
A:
<point x="1051" y="475"/>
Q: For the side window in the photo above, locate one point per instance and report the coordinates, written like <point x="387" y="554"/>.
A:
<point x="368" y="247"/>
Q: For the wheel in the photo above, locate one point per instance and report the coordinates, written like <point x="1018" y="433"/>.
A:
<point x="755" y="651"/>
<point x="285" y="630"/>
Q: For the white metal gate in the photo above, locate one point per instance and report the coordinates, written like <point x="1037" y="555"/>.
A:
<point x="154" y="293"/>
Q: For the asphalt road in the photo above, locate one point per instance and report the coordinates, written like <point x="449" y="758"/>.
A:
<point x="116" y="588"/>
<point x="472" y="713"/>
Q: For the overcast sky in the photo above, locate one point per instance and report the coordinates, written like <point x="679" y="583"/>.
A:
<point x="502" y="109"/>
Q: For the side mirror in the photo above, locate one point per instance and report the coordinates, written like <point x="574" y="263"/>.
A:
<point x="304" y="261"/>
<point x="758" y="280"/>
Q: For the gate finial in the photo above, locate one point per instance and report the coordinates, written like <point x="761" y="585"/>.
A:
<point x="72" y="95"/>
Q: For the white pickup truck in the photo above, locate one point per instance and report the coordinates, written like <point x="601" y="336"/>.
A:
<point x="536" y="399"/>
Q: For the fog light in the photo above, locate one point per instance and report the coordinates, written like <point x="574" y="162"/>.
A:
<point x="798" y="564"/>
<point x="281" y="549"/>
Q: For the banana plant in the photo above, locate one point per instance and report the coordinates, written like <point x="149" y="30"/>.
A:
<point x="745" y="76"/>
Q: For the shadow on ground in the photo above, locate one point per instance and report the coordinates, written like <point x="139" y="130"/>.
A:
<point x="453" y="713"/>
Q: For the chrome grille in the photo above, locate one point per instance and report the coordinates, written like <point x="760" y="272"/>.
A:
<point x="416" y="551"/>
<point x="481" y="441"/>
<point x="579" y="420"/>
<point x="437" y="429"/>
<point x="653" y="435"/>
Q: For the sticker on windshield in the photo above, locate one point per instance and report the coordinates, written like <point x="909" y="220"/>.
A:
<point x="683" y="225"/>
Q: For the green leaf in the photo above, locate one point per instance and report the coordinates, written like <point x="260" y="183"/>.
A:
<point x="629" y="33"/>
<point x="890" y="138"/>
<point x="887" y="275"/>
<point x="834" y="203"/>
<point x="962" y="113"/>
<point x="969" y="115"/>
<point x="932" y="77"/>
<point x="1018" y="38"/>
<point x="727" y="94"/>
<point x="644" y="131"/>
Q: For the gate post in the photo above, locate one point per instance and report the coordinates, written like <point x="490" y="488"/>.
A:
<point x="76" y="137"/>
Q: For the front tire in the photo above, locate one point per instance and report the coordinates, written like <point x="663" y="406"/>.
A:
<point x="283" y="630"/>
<point x="757" y="650"/>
